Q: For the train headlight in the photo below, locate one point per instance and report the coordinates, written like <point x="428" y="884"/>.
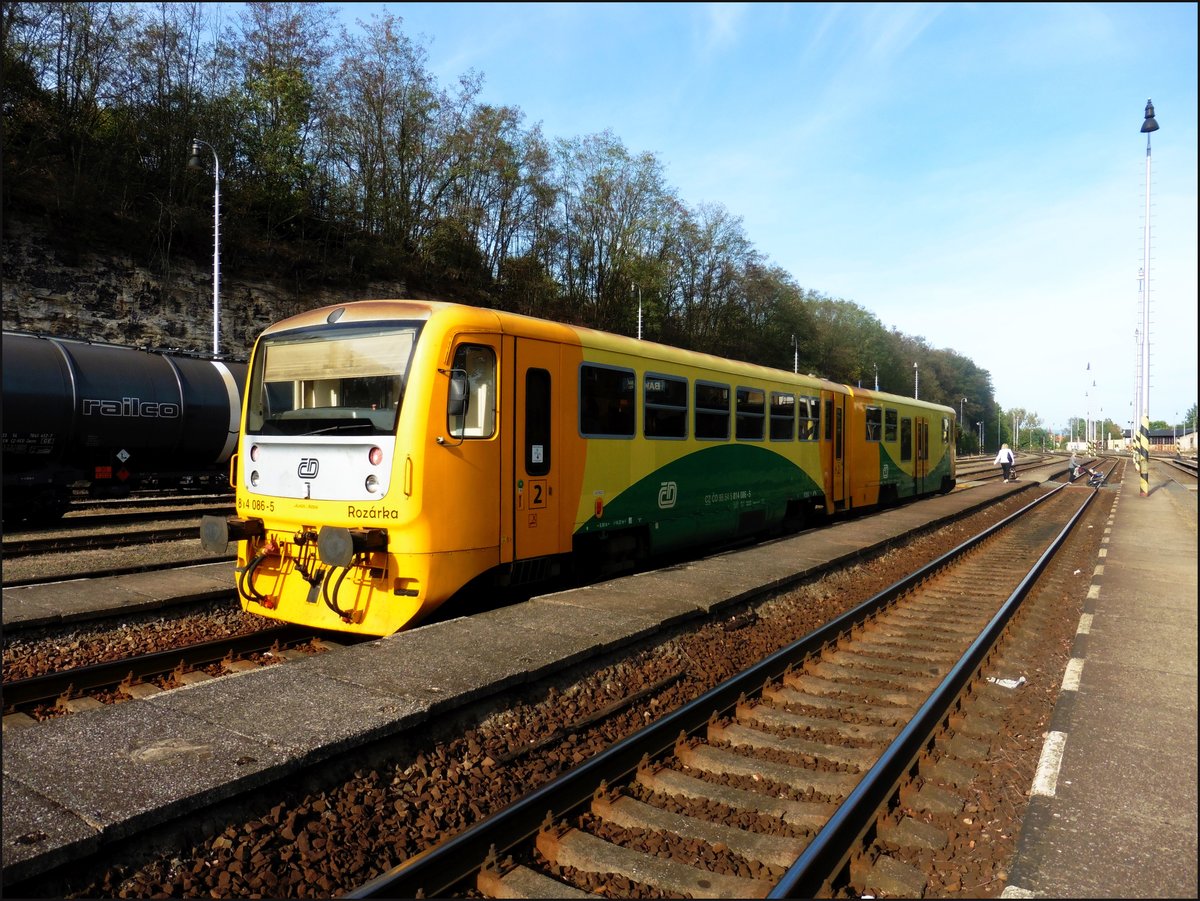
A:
<point x="254" y="477"/>
<point x="375" y="456"/>
<point x="254" y="452"/>
<point x="372" y="485"/>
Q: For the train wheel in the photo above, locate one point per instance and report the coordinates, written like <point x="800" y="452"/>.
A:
<point x="35" y="508"/>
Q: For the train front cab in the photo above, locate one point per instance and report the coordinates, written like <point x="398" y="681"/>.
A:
<point x="473" y="478"/>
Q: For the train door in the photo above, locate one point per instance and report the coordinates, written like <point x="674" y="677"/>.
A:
<point x="536" y="458"/>
<point x="466" y="471"/>
<point x="921" y="459"/>
<point x="835" y="447"/>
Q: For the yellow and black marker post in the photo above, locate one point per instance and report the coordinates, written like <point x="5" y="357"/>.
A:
<point x="1143" y="449"/>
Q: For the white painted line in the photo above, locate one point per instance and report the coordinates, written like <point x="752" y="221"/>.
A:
<point x="1045" y="780"/>
<point x="1103" y="552"/>
<point x="1085" y="624"/>
<point x="1074" y="670"/>
<point x="1099" y="571"/>
<point x="1093" y="592"/>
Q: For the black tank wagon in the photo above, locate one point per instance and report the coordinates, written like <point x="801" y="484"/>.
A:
<point x="112" y="419"/>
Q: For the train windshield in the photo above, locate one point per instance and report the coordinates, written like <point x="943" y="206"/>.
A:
<point x="348" y="379"/>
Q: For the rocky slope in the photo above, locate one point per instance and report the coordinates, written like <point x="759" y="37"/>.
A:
<point x="109" y="298"/>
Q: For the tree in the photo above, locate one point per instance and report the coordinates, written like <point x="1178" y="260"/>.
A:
<point x="607" y="198"/>
<point x="847" y="342"/>
<point x="282" y="57"/>
<point x="347" y="160"/>
<point x="75" y="53"/>
<point x="153" y="125"/>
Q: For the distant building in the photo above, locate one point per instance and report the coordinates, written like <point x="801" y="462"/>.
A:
<point x="1169" y="441"/>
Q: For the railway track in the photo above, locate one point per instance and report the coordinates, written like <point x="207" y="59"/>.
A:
<point x="59" y="689"/>
<point x="80" y="546"/>
<point x="139" y="500"/>
<point x="984" y="470"/>
<point x="70" y="542"/>
<point x="771" y="783"/>
<point x="144" y="513"/>
<point x="455" y="781"/>
<point x="1186" y="467"/>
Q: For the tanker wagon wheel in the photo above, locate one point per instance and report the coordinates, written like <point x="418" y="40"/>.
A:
<point x="39" y="508"/>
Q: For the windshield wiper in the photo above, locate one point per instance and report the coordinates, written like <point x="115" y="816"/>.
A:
<point x="344" y="426"/>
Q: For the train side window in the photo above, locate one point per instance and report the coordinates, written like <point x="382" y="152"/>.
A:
<point x="783" y="416"/>
<point x="890" y="418"/>
<point x="537" y="422"/>
<point x="945" y="430"/>
<point x="810" y="418"/>
<point x="666" y="408"/>
<point x="874" y="423"/>
<point x="606" y="401"/>
<point x="905" y="439"/>
<point x="751" y="410"/>
<point x="829" y="420"/>
<point x="476" y="417"/>
<point x="712" y="411"/>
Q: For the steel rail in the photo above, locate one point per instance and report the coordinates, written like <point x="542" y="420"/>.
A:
<point x="444" y="868"/>
<point x="93" y="519"/>
<point x="831" y="848"/>
<point x="124" y="571"/>
<point x="51" y="686"/>
<point x="72" y="543"/>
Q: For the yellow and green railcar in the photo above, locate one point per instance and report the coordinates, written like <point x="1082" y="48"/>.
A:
<point x="901" y="448"/>
<point x="393" y="451"/>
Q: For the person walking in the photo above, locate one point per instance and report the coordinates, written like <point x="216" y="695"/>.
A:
<point x="1073" y="465"/>
<point x="1004" y="460"/>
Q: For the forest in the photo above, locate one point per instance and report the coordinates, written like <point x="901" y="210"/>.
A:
<point x="342" y="161"/>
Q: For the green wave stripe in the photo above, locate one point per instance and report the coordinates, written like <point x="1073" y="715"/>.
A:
<point x="714" y="491"/>
<point x="893" y="473"/>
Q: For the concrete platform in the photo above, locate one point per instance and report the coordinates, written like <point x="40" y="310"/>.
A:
<point x="1113" y="810"/>
<point x="85" y="781"/>
<point x="27" y="606"/>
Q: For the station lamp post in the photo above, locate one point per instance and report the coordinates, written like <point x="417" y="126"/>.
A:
<point x="639" y="290"/>
<point x="916" y="383"/>
<point x="980" y="424"/>
<point x="196" y="163"/>
<point x="960" y="427"/>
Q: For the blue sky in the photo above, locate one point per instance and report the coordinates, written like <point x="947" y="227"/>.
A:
<point x="973" y="174"/>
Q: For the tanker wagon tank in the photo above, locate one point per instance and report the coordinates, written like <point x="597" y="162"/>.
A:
<point x="111" y="419"/>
